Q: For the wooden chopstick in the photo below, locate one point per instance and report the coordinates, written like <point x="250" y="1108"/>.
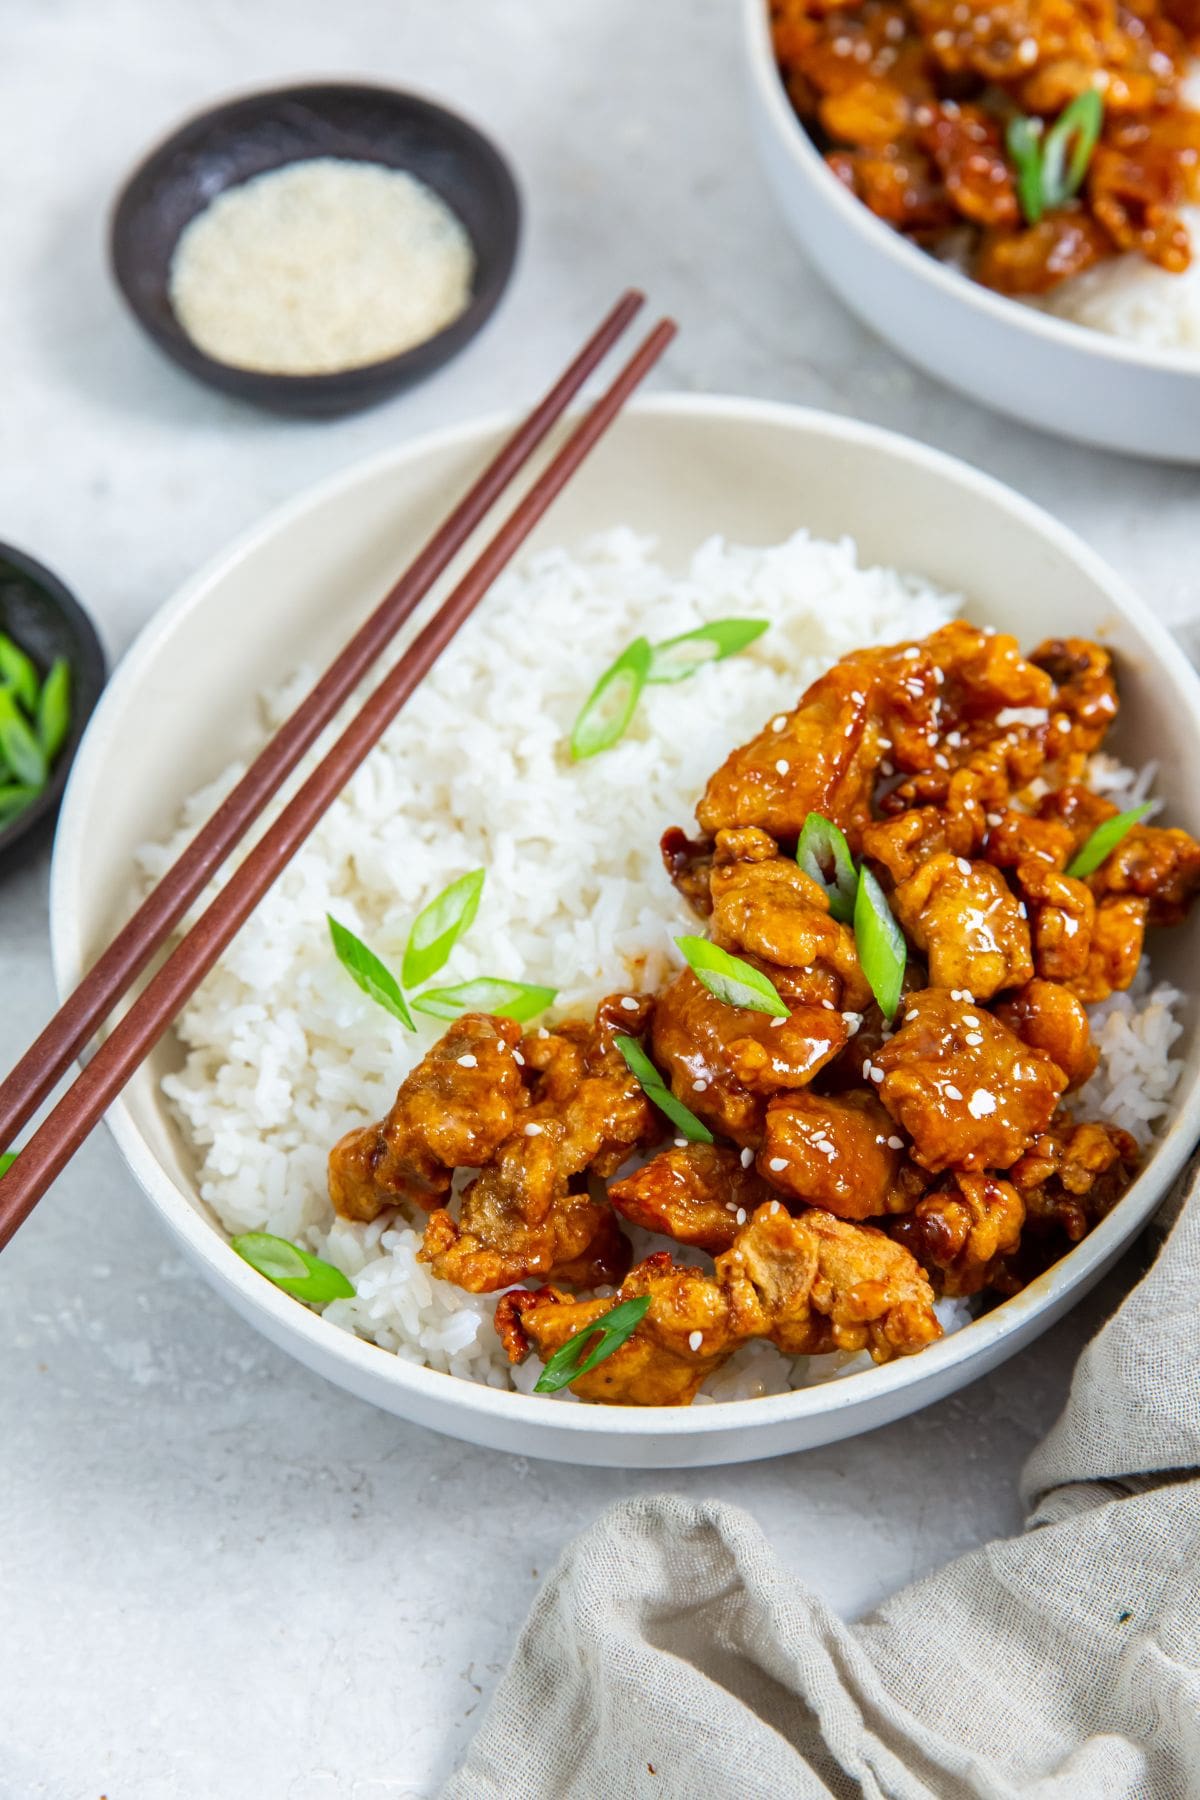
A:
<point x="118" y="967"/>
<point x="74" y="1116"/>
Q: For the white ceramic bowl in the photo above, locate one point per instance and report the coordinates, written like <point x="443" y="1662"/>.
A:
<point x="183" y="702"/>
<point x="1045" y="371"/>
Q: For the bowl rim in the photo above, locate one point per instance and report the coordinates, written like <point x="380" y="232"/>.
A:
<point x="306" y="1333"/>
<point x="330" y="384"/>
<point x="88" y="664"/>
<point x="951" y="283"/>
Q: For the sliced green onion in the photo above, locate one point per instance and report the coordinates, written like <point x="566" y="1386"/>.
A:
<point x="824" y="854"/>
<point x="517" y="1000"/>
<point x="729" y="979"/>
<point x="1024" y="140"/>
<point x="6" y="1161"/>
<point x="53" y="713"/>
<point x="1105" y="839"/>
<point x="679" y="657"/>
<point x="367" y="972"/>
<point x="18" y="745"/>
<point x="14" y="798"/>
<point x="1068" y="148"/>
<point x="659" y="1094"/>
<point x="610" y="705"/>
<point x="17" y="671"/>
<point x="296" y="1271"/>
<point x="436" y="930"/>
<point x="882" y="950"/>
<point x="613" y="1329"/>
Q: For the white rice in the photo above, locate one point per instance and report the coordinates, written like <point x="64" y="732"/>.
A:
<point x="283" y="1052"/>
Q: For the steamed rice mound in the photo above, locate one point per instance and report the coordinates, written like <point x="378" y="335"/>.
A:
<point x="284" y="1054"/>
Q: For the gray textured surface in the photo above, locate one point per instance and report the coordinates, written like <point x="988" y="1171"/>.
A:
<point x="220" y="1577"/>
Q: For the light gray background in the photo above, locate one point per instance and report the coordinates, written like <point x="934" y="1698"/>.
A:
<point x="221" y="1578"/>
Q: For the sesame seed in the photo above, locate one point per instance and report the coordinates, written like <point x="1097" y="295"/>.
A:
<point x="828" y="1005"/>
<point x="782" y="767"/>
<point x="981" y="1103"/>
<point x="533" y="1131"/>
<point x="876" y="1076"/>
<point x="518" y="1058"/>
<point x="468" y="1061"/>
<point x="699" y="1086"/>
<point x="542" y="1032"/>
<point x="995" y="819"/>
<point x="629" y="1003"/>
<point x="731" y="1206"/>
<point x="774" y="1208"/>
<point x="779" y="723"/>
<point x="886" y="768"/>
<point x="695" y="1340"/>
<point x="895" y="1143"/>
<point x="951" y="1092"/>
<point x="1022" y="909"/>
<point x="974" y="1038"/>
<point x="912" y="653"/>
<point x="776" y="1023"/>
<point x="867" y="1070"/>
<point x="777" y="1164"/>
<point x="681" y="1143"/>
<point x="971" y="1020"/>
<point x="741" y="1215"/>
<point x="747" y="1158"/>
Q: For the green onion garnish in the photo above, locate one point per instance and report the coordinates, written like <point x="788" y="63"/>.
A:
<point x="517" y="1000"/>
<point x="367" y="972"/>
<point x="679" y="657"/>
<point x="880" y="942"/>
<point x="436" y="930"/>
<point x="17" y="671"/>
<point x="6" y="1161"/>
<point x="296" y="1271"/>
<point x="19" y="748"/>
<point x="659" y="1094"/>
<point x="1105" y="839"/>
<point x="1024" y="140"/>
<point x="824" y="854"/>
<point x="1068" y="148"/>
<point x="610" y="705"/>
<point x="729" y="979"/>
<point x="1051" y="165"/>
<point x="52" y="712"/>
<point x="612" y="1329"/>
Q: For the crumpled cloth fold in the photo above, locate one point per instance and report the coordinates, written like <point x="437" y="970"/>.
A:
<point x="671" y="1654"/>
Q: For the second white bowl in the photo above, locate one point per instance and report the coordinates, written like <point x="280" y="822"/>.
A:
<point x="1044" y="371"/>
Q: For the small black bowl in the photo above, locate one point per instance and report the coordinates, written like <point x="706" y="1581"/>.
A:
<point x="43" y="617"/>
<point x="243" y="138"/>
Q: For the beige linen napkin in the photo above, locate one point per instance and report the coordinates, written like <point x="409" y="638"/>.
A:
<point x="671" y="1654"/>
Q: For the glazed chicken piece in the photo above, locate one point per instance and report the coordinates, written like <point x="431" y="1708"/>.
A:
<point x="453" y="1110"/>
<point x="1085" y="693"/>
<point x="1115" y="950"/>
<point x="1050" y="1018"/>
<point x="809" y="1285"/>
<point x="963" y="1086"/>
<point x="842" y="1154"/>
<point x="960" y="1231"/>
<point x="1162" y="867"/>
<point x="969" y="923"/>
<point x="722" y="1061"/>
<point x="766" y="907"/>
<point x="1073" y="1175"/>
<point x="699" y="1194"/>
<point x="532" y="1211"/>
<point x="1063" y="915"/>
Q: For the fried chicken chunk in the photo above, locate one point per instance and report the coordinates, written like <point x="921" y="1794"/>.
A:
<point x="1115" y="948"/>
<point x="699" y="1194"/>
<point x="1073" y="1175"/>
<point x="454" y="1110"/>
<point x="766" y="907"/>
<point x="532" y="1211"/>
<point x="961" y="1230"/>
<point x="842" y="1154"/>
<point x="968" y="921"/>
<point x="963" y="1086"/>
<point x="722" y="1060"/>
<point x="1049" y="1017"/>
<point x="809" y="1285"/>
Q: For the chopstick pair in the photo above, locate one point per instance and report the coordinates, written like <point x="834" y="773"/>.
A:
<point x="75" y="1115"/>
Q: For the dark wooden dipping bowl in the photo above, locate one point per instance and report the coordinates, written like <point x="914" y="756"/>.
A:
<point x="46" y="620"/>
<point x="243" y="138"/>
